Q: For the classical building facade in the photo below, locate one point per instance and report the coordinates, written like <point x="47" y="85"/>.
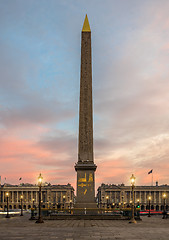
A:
<point x="53" y="196"/>
<point x="110" y="195"/>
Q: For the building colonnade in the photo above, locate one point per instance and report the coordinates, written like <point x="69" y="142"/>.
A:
<point x="121" y="196"/>
<point x="52" y="196"/>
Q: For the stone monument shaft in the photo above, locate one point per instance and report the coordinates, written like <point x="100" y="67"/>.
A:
<point x="85" y="166"/>
<point x="85" y="151"/>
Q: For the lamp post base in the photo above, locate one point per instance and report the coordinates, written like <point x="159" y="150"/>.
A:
<point x="149" y="215"/>
<point x="40" y="220"/>
<point x="7" y="216"/>
<point x="164" y="215"/>
<point x="132" y="221"/>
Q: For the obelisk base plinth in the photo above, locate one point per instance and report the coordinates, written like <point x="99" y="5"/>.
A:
<point x="85" y="201"/>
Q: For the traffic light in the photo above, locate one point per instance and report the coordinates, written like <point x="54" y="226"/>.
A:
<point x="138" y="205"/>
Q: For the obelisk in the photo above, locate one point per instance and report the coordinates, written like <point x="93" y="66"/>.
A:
<point x="85" y="166"/>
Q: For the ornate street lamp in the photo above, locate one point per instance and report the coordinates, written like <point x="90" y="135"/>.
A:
<point x="64" y="197"/>
<point x="7" y="213"/>
<point x="21" y="205"/>
<point x="40" y="179"/>
<point x="130" y="205"/>
<point x="122" y="201"/>
<point x="164" y="212"/>
<point x="70" y="204"/>
<point x="107" y="198"/>
<point x="132" y="186"/>
<point x="33" y="202"/>
<point x="149" y="200"/>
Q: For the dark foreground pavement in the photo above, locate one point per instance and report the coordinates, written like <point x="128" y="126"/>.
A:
<point x="21" y="228"/>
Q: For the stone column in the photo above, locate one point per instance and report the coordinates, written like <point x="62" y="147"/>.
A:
<point x="159" y="197"/>
<point x="31" y="196"/>
<point x="35" y="196"/>
<point x="61" y="196"/>
<point x="17" y="196"/>
<point x="56" y="197"/>
<point x="145" y="198"/>
<point x="2" y="196"/>
<point x="12" y="193"/>
<point x="115" y="197"/>
<point x="154" y="197"/>
<point x="140" y="197"/>
<point x="135" y="200"/>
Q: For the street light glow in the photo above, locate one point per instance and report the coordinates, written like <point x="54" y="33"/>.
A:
<point x="40" y="179"/>
<point x="132" y="179"/>
<point x="164" y="195"/>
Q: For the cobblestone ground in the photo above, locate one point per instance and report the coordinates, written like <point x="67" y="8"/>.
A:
<point x="21" y="228"/>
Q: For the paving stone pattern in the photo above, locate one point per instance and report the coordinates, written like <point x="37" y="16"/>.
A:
<point x="21" y="228"/>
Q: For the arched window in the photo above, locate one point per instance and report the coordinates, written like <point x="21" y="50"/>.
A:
<point x="142" y="207"/>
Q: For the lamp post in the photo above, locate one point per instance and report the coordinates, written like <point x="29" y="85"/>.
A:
<point x="130" y="204"/>
<point x="107" y="198"/>
<point x="7" y="197"/>
<point x="33" y="203"/>
<point x="64" y="197"/>
<point x="164" y="212"/>
<point x="21" y="205"/>
<point x="40" y="179"/>
<point x="149" y="200"/>
<point x="122" y="201"/>
<point x="132" y="186"/>
<point x="70" y="204"/>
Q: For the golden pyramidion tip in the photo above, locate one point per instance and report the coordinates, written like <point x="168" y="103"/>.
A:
<point x="86" y="26"/>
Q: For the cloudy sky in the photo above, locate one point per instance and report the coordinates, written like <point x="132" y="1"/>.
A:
<point x="39" y="89"/>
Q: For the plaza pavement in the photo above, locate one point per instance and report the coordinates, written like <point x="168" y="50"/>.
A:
<point x="21" y="228"/>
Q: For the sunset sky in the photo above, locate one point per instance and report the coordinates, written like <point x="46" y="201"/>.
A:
<point x="40" y="81"/>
